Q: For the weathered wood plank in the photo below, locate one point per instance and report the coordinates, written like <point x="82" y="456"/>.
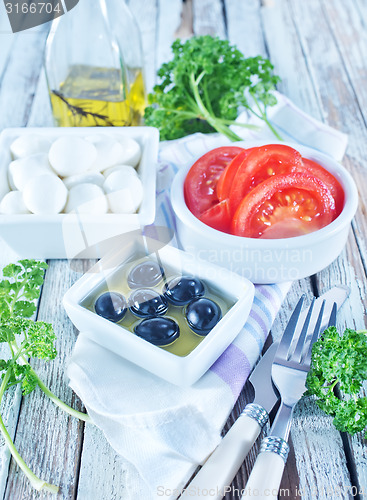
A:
<point x="208" y="18"/>
<point x="169" y="19"/>
<point x="337" y="69"/>
<point x="103" y="475"/>
<point x="7" y="39"/>
<point x="20" y="81"/>
<point x="146" y="14"/>
<point x="185" y="29"/>
<point x="244" y="26"/>
<point x="294" y="61"/>
<point x="349" y="269"/>
<point x="288" y="57"/>
<point x="361" y="6"/>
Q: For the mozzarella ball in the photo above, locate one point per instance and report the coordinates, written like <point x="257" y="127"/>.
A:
<point x="45" y="195"/>
<point x="72" y="155"/>
<point x="124" y="193"/>
<point x="86" y="199"/>
<point x="126" y="169"/>
<point x="89" y="178"/>
<point x="109" y="151"/>
<point x="29" y="144"/>
<point x="20" y="171"/>
<point x="132" y="151"/>
<point x="13" y="203"/>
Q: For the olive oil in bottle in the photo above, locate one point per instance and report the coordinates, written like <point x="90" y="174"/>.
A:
<point x="95" y="97"/>
<point x="94" y="66"/>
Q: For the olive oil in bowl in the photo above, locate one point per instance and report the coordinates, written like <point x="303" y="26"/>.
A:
<point x="96" y="97"/>
<point x="118" y="282"/>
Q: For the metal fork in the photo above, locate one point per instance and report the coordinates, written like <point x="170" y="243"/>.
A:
<point x="290" y="367"/>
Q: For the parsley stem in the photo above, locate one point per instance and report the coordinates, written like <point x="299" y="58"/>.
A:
<point x="212" y="120"/>
<point x="239" y="124"/>
<point x="264" y="117"/>
<point x="74" y="413"/>
<point x="36" y="482"/>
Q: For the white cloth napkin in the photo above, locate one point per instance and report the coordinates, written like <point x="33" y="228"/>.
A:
<point x="164" y="431"/>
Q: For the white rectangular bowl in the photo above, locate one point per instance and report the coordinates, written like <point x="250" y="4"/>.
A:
<point x="77" y="236"/>
<point x="182" y="371"/>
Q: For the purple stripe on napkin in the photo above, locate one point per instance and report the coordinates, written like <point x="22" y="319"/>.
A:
<point x="233" y="368"/>
<point x="265" y="328"/>
<point x="265" y="291"/>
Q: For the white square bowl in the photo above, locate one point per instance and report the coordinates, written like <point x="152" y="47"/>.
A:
<point x="77" y="236"/>
<point x="179" y="370"/>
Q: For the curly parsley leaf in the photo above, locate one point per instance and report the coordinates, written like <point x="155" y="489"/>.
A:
<point x="338" y="370"/>
<point x="203" y="86"/>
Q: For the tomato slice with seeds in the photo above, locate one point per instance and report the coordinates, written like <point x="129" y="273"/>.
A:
<point x="331" y="182"/>
<point x="218" y="217"/>
<point x="263" y="162"/>
<point x="284" y="206"/>
<point x="225" y="181"/>
<point x="201" y="180"/>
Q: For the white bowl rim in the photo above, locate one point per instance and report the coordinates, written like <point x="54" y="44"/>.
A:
<point x="350" y="205"/>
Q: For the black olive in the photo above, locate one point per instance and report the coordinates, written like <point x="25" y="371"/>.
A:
<point x="183" y="289"/>
<point x="146" y="303"/>
<point x="111" y="305"/>
<point x="147" y="273"/>
<point x="158" y="331"/>
<point x="202" y="315"/>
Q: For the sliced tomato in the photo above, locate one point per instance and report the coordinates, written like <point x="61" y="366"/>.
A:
<point x="201" y="180"/>
<point x="262" y="162"/>
<point x="225" y="181"/>
<point x="283" y="206"/>
<point x="218" y="217"/>
<point x="335" y="188"/>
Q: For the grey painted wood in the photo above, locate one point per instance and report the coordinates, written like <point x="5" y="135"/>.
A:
<point x="146" y="14"/>
<point x="208" y="18"/>
<point x="244" y="26"/>
<point x="19" y="82"/>
<point x="168" y="23"/>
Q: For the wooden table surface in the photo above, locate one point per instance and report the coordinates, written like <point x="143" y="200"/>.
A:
<point x="319" y="49"/>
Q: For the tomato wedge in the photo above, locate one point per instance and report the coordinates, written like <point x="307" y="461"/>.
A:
<point x="218" y="217"/>
<point x="284" y="206"/>
<point x="263" y="162"/>
<point x="331" y="182"/>
<point x="225" y="181"/>
<point x="201" y="180"/>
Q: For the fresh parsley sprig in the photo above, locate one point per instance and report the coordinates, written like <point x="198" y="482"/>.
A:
<point x="25" y="338"/>
<point x="338" y="370"/>
<point x="203" y="86"/>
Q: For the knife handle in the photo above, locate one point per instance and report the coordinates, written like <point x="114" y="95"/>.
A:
<point x="218" y="471"/>
<point x="266" y="475"/>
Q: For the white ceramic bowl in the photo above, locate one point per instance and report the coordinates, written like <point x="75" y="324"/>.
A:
<point x="181" y="370"/>
<point x="268" y="260"/>
<point x="69" y="235"/>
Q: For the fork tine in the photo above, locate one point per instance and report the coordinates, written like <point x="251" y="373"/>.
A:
<point x="332" y="320"/>
<point x="297" y="355"/>
<point x="315" y="335"/>
<point x="286" y="339"/>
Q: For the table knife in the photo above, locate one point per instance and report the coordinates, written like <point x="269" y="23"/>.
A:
<point x="219" y="470"/>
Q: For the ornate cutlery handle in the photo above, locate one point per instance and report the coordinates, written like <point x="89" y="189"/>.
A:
<point x="266" y="475"/>
<point x="221" y="467"/>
